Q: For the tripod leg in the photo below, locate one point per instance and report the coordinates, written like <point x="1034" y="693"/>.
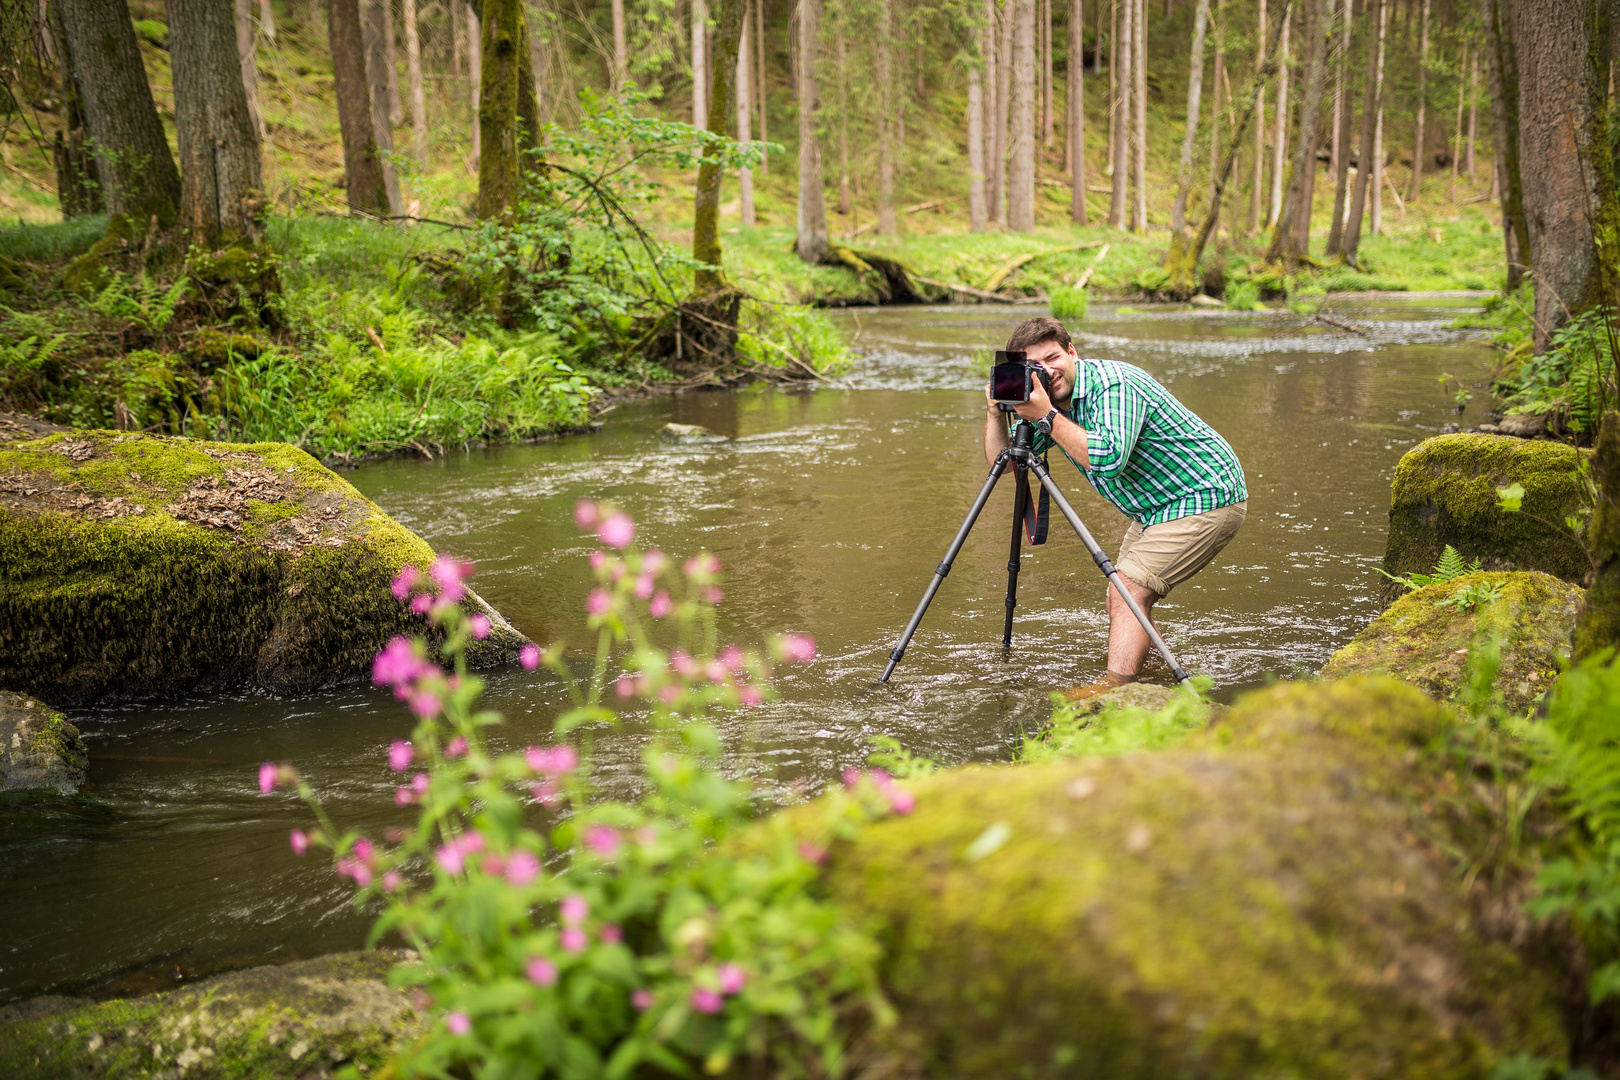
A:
<point x="1020" y="508"/>
<point x="1106" y="565"/>
<point x="945" y="564"/>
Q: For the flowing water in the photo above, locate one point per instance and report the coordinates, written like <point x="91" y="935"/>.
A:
<point x="829" y="507"/>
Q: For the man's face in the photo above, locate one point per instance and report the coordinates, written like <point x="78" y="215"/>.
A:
<point x="1059" y="364"/>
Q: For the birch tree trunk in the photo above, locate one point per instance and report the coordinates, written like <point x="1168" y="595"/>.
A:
<point x="812" y="245"/>
<point x="1291" y="238"/>
<point x="1366" y="168"/>
<point x="475" y="76"/>
<point x="376" y="40"/>
<point x="1416" y="185"/>
<point x="413" y="68"/>
<point x="709" y="284"/>
<point x="1503" y="64"/>
<point x="1139" y="98"/>
<point x="1565" y="158"/>
<point x="221" y="201"/>
<point x="745" y="108"/>
<point x="1255" y="189"/>
<point x="1279" y="137"/>
<point x="267" y="21"/>
<point x="246" y="54"/>
<point x="365" y="185"/>
<point x="700" y="65"/>
<point x="1375" y="210"/>
<point x="1077" y="113"/>
<point x="1344" y="114"/>
<point x="883" y="76"/>
<point x="621" y="47"/>
<point x="1021" y="171"/>
<point x="977" y="215"/>
<point x="1000" y="198"/>
<point x="1118" y="205"/>
<point x="1189" y="136"/>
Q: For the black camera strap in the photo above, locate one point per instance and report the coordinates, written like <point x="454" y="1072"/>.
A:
<point x="1035" y="524"/>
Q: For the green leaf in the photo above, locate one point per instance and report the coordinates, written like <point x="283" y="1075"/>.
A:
<point x="989" y="842"/>
<point x="1510" y="498"/>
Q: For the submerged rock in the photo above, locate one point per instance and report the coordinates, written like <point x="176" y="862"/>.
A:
<point x="1445" y="493"/>
<point x="134" y="566"/>
<point x="306" y="1020"/>
<point x="1271" y="898"/>
<point x="1426" y="639"/>
<point x="39" y="749"/>
<point x="689" y="435"/>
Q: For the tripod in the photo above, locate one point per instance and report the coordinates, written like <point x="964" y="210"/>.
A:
<point x="1022" y="455"/>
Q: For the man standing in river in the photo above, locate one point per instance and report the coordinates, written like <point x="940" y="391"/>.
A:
<point x="1169" y="472"/>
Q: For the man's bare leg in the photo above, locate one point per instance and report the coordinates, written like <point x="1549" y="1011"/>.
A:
<point x="1128" y="643"/>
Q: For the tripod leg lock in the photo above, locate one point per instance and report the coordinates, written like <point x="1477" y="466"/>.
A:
<point x="1014" y="565"/>
<point x="942" y="569"/>
<point x="1104" y="563"/>
<point x="898" y="654"/>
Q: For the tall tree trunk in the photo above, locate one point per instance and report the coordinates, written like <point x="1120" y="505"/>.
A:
<point x="376" y="39"/>
<point x="132" y="155"/>
<point x="1119" y="200"/>
<point x="1344" y="119"/>
<point x="842" y="42"/>
<point x="700" y="65"/>
<point x="883" y="77"/>
<point x="1366" y="168"/>
<point x="1375" y="204"/>
<point x="413" y="67"/>
<point x="1139" y="99"/>
<point x="537" y="61"/>
<point x="710" y="281"/>
<point x="1503" y="68"/>
<point x="1279" y="138"/>
<point x="1565" y="159"/>
<point x="453" y="18"/>
<point x="1255" y="193"/>
<point x="1416" y="185"/>
<point x="621" y="48"/>
<point x="475" y="78"/>
<point x="1046" y="74"/>
<point x="1217" y="99"/>
<point x="1457" y="140"/>
<point x="1113" y="80"/>
<point x="1291" y="238"/>
<point x="365" y="185"/>
<point x="267" y="21"/>
<point x="1077" y="112"/>
<point x="396" y="103"/>
<point x="992" y="79"/>
<point x="508" y="111"/>
<point x="760" y="85"/>
<point x="1021" y="171"/>
<point x="1189" y="136"/>
<point x="78" y="185"/>
<point x="246" y="54"/>
<point x="1473" y="115"/>
<point x="977" y="218"/>
<point x="811" y="245"/>
<point x="1000" y="198"/>
<point x="221" y="197"/>
<point x="745" y="108"/>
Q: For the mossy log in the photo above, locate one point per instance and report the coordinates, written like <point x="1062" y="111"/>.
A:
<point x="307" y="1020"/>
<point x="1445" y="493"/>
<point x="1275" y="898"/>
<point x="136" y="566"/>
<point x="1426" y="641"/>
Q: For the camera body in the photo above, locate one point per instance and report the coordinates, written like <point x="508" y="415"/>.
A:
<point x="1013" y="377"/>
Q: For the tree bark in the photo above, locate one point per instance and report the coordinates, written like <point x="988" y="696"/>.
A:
<point x="710" y="281"/>
<point x="475" y="79"/>
<point x="1457" y="140"/>
<point x="1279" y="138"/>
<point x="508" y="111"/>
<point x="1344" y="119"/>
<point x="132" y="155"/>
<point x="1498" y="16"/>
<point x="844" y="204"/>
<point x="1565" y="158"/>
<point x="396" y="104"/>
<point x="1366" y="168"/>
<point x="1217" y="99"/>
<point x="1189" y="137"/>
<point x="1255" y="192"/>
<point x="1113" y="81"/>
<point x="1375" y="205"/>
<point x="1077" y="113"/>
<point x="247" y="54"/>
<point x="999" y="197"/>
<point x="975" y="134"/>
<point x="745" y="107"/>
<point x="700" y="65"/>
<point x="883" y="77"/>
<point x="1021" y="170"/>
<point x="1473" y="115"/>
<point x="78" y="185"/>
<point x="362" y="169"/>
<point x="377" y="65"/>
<point x="1291" y="238"/>
<point x="1124" y="47"/>
<point x="1046" y="74"/>
<point x="413" y="67"/>
<point x="621" y="48"/>
<point x="221" y="197"/>
<point x="1139" y="220"/>
<point x="760" y="86"/>
<point x="1416" y="186"/>
<point x="812" y="243"/>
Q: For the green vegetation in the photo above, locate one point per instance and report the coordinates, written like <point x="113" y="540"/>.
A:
<point x="1450" y="566"/>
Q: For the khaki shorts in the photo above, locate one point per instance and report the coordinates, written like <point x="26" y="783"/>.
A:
<point x="1162" y="556"/>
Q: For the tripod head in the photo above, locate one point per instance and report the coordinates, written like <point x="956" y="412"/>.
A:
<point x="1023" y="437"/>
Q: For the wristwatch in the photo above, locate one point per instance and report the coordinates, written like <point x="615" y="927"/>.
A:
<point x="1045" y="422"/>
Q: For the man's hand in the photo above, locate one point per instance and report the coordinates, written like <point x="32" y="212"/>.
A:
<point x="1038" y="405"/>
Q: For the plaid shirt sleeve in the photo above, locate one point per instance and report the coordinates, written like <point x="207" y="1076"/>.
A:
<point x="1116" y="423"/>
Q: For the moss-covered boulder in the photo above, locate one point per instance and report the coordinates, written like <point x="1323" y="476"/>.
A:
<point x="304" y="1020"/>
<point x="1426" y="637"/>
<point x="39" y="749"/>
<point x="1445" y="493"/>
<point x="134" y="566"/>
<point x="1276" y="897"/>
<point x="1600" y="620"/>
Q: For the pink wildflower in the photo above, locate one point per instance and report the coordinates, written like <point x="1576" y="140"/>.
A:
<point x="642" y="1000"/>
<point x="456" y="747"/>
<point x="545" y="793"/>
<point x="541" y="971"/>
<point x="397" y="664"/>
<point x="299" y="841"/>
<point x="901" y="801"/>
<point x="852" y="776"/>
<point x="669" y="693"/>
<point x="603" y="839"/>
<point x="705" y="1000"/>
<point x="713" y="594"/>
<point x="732" y="657"/>
<point x="586" y="514"/>
<point x="574" y="939"/>
<point x="598" y="602"/>
<point x="660" y="605"/>
<point x="494" y="865"/>
<point x="564" y="758"/>
<point x="404" y="796"/>
<point x="625" y="686"/>
<point x="522" y="868"/>
<point x="750" y="695"/>
<point x="798" y="649"/>
<point x="419" y="784"/>
<point x="449" y="571"/>
<point x="683" y="663"/>
<point x="400" y="755"/>
<point x="404" y="581"/>
<point x="267" y="777"/>
<point x="425" y="704"/>
<point x="703" y="565"/>
<point x="422" y="604"/>
<point x="478" y="625"/>
<point x="598" y="559"/>
<point x="363" y="850"/>
<point x="573" y="908"/>
<point x="538" y="759"/>
<point x="459" y="1023"/>
<point x="716" y="671"/>
<point x="653" y="561"/>
<point x="611" y="933"/>
<point x="392" y="881"/>
<point x="814" y="853"/>
<point x="529" y="656"/>
<point x="617" y="530"/>
<point x="421" y="1000"/>
<point x="644" y="586"/>
<point x="732" y="979"/>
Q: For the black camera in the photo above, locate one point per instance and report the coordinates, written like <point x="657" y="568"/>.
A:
<point x="1014" y="376"/>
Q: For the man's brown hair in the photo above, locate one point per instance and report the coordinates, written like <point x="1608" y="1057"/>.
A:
<point x="1036" y="330"/>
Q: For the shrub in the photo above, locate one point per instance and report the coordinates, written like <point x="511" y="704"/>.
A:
<point x="1070" y="302"/>
<point x="1243" y="296"/>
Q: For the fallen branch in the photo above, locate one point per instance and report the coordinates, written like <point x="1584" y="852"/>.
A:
<point x="993" y="282"/>
<point x="916" y="209"/>
<point x="1400" y="202"/>
<point x="968" y="290"/>
<point x="1340" y="323"/>
<point x="1085" y="277"/>
<point x="37" y="183"/>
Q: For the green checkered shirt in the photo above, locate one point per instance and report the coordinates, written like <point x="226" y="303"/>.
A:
<point x="1147" y="453"/>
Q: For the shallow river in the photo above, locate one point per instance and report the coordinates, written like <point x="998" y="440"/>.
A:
<point x="829" y="508"/>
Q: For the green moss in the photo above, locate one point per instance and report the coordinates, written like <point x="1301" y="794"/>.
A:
<point x="1445" y="493"/>
<point x="301" y="1019"/>
<point x="1428" y="643"/>
<point x="1270" y="899"/>
<point x="212" y="349"/>
<point x="1600" y="620"/>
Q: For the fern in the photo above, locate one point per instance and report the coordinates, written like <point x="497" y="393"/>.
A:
<point x="1449" y="567"/>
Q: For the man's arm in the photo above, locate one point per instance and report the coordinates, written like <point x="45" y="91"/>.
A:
<point x="995" y="430"/>
<point x="1065" y="432"/>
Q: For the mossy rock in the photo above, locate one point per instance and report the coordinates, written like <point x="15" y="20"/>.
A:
<point x="1599" y="628"/>
<point x="1445" y="493"/>
<point x="1271" y="899"/>
<point x="39" y="749"/>
<point x="211" y="349"/>
<point x="305" y="1020"/>
<point x="135" y="566"/>
<point x="1427" y="642"/>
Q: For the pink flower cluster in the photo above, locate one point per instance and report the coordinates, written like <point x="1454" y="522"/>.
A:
<point x="439" y="588"/>
<point x="452" y="856"/>
<point x="272" y="776"/>
<point x="731" y="978"/>
<point x="899" y="799"/>
<point x="360" y="863"/>
<point x="550" y="765"/>
<point x="403" y="666"/>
